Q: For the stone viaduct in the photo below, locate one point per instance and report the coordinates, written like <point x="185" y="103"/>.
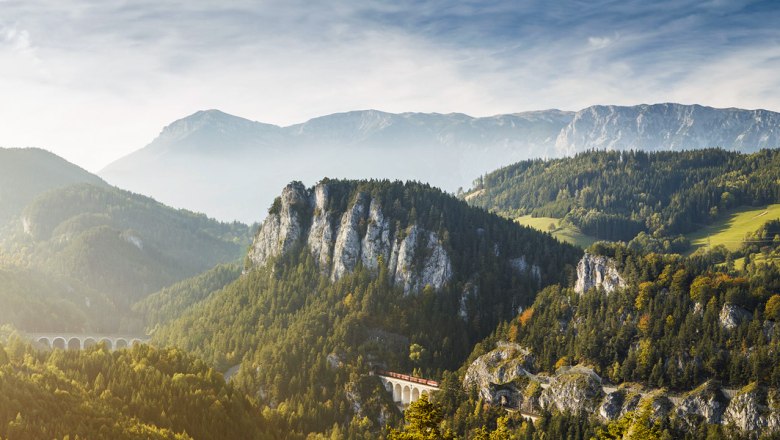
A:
<point x="80" y="341"/>
<point x="405" y="389"/>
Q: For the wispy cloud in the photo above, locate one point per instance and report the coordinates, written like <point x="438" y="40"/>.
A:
<point x="95" y="80"/>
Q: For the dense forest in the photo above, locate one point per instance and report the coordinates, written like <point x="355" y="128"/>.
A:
<point x="98" y="250"/>
<point x="617" y="195"/>
<point x="143" y="393"/>
<point x="665" y="330"/>
<point x="305" y="343"/>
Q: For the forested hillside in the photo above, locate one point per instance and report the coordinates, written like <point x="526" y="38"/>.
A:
<point x="305" y="340"/>
<point x="143" y="393"/>
<point x="670" y="335"/>
<point x="620" y="195"/>
<point x="26" y="173"/>
<point x="80" y="253"/>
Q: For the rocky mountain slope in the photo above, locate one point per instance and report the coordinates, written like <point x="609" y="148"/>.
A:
<point x="668" y="127"/>
<point x="225" y="165"/>
<point x="506" y="376"/>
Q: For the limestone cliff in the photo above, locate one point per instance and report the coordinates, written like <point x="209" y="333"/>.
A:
<point x="597" y="271"/>
<point x="505" y="376"/>
<point x="339" y="241"/>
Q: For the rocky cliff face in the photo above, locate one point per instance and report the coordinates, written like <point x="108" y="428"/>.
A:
<point x="500" y="373"/>
<point x="505" y="376"/>
<point x="362" y="234"/>
<point x="668" y="127"/>
<point x="597" y="271"/>
<point x="732" y="316"/>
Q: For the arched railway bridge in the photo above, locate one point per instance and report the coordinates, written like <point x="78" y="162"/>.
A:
<point x="80" y="341"/>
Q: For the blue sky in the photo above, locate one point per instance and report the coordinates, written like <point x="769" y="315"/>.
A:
<point x="94" y="80"/>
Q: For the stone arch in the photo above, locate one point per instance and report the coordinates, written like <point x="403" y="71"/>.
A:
<point x="74" y="343"/>
<point x="407" y="396"/>
<point x="121" y="343"/>
<point x="389" y="386"/>
<point x="425" y="392"/>
<point x="415" y="394"/>
<point x="135" y="342"/>
<point x="397" y="393"/>
<point x="89" y="342"/>
<point x="45" y="342"/>
<point x="109" y="345"/>
<point x="59" y="343"/>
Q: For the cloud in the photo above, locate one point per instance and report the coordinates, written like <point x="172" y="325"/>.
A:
<point x="96" y="80"/>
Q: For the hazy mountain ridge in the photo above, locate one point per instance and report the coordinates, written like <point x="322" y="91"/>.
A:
<point x="668" y="127"/>
<point x="79" y="252"/>
<point x="40" y="171"/>
<point x="226" y="165"/>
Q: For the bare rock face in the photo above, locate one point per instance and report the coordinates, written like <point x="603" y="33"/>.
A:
<point x="494" y="374"/>
<point x="376" y="243"/>
<point x="360" y="235"/>
<point x="597" y="271"/>
<point x="346" y="253"/>
<point x="574" y="390"/>
<point x="704" y="404"/>
<point x="281" y="229"/>
<point x="617" y="403"/>
<point x="749" y="411"/>
<point x="732" y="316"/>
<point x="320" y="240"/>
<point x="436" y="267"/>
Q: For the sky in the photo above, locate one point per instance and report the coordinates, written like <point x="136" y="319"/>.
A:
<point x="95" y="80"/>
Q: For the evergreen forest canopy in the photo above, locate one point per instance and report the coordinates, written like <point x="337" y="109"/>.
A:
<point x="76" y="253"/>
<point x="619" y="195"/>
<point x="141" y="393"/>
<point x="305" y="344"/>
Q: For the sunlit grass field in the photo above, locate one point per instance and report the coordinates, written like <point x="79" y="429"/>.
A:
<point x="731" y="230"/>
<point x="553" y="225"/>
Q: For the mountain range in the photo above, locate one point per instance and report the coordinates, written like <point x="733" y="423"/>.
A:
<point x="230" y="167"/>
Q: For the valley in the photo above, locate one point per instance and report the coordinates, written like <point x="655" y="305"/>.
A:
<point x="521" y="320"/>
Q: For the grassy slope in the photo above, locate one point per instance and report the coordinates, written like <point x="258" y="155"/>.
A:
<point x="568" y="234"/>
<point x="730" y="231"/>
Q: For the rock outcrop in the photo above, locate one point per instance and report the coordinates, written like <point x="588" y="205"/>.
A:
<point x="750" y="411"/>
<point x="362" y="234"/>
<point x="732" y="316"/>
<point x="574" y="390"/>
<point x="704" y="404"/>
<point x="500" y="373"/>
<point x="597" y="271"/>
<point x="505" y="376"/>
<point x="281" y="229"/>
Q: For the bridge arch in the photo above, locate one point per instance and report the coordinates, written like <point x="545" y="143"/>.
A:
<point x="120" y="343"/>
<point x="397" y="393"/>
<point x="74" y="343"/>
<point x="415" y="394"/>
<point x="407" y="396"/>
<point x="107" y="342"/>
<point x="89" y="342"/>
<point x="45" y="342"/>
<point x="135" y="342"/>
<point x="59" y="343"/>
